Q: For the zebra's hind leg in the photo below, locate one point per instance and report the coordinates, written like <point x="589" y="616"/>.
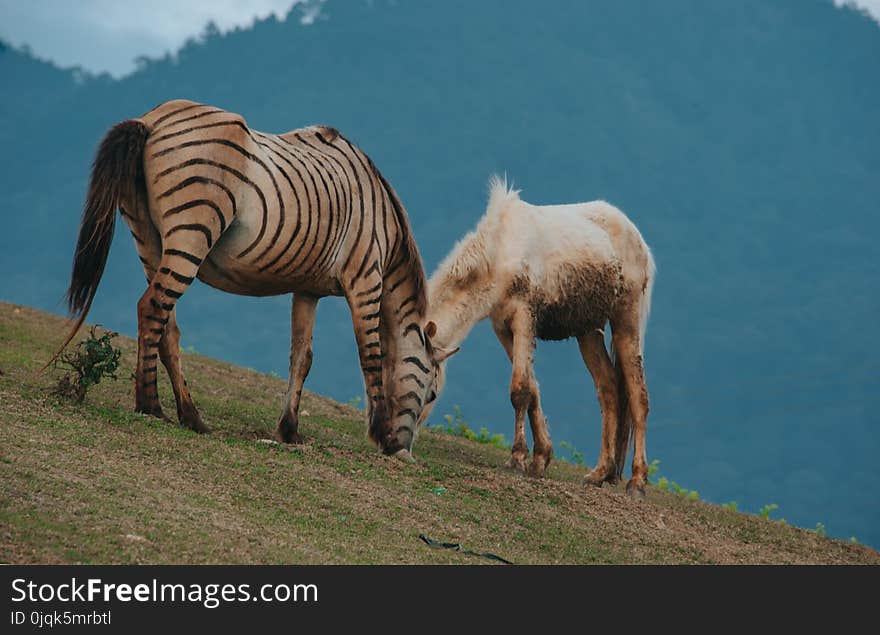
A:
<point x="302" y="317"/>
<point x="169" y="353"/>
<point x="176" y="271"/>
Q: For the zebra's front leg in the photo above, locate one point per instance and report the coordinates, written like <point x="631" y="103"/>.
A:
<point x="364" y="299"/>
<point x="302" y="317"/>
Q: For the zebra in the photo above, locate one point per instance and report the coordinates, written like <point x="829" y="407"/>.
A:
<point x="305" y="212"/>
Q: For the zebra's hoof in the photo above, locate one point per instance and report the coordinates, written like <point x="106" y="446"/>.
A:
<point x="404" y="455"/>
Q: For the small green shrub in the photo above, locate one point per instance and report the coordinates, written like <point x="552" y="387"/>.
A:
<point x="95" y="358"/>
<point x="820" y="529"/>
<point x="574" y="456"/>
<point x="731" y="506"/>
<point x="669" y="486"/>
<point x="457" y="426"/>
<point x="764" y="512"/>
<point x="355" y="402"/>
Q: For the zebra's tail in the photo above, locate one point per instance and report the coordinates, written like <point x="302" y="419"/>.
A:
<point x="117" y="175"/>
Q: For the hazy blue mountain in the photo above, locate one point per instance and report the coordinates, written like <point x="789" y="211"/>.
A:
<point x="743" y="138"/>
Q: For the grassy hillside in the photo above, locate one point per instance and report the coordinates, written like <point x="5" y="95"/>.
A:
<point x="740" y="136"/>
<point x="97" y="483"/>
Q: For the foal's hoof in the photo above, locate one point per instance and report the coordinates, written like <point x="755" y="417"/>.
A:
<point x="537" y="466"/>
<point x="594" y="478"/>
<point x="516" y="463"/>
<point x="598" y="476"/>
<point x="635" y="489"/>
<point x="404" y="455"/>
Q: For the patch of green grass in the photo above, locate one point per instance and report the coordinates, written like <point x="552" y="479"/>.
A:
<point x="457" y="426"/>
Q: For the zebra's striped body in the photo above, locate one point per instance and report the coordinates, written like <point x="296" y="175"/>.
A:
<point x="305" y="212"/>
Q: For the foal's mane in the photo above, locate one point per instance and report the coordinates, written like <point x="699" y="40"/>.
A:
<point x="474" y="252"/>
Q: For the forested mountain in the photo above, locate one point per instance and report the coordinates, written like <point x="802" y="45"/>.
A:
<point x="743" y="138"/>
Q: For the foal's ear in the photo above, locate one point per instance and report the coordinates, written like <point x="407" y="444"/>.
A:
<point x="442" y="354"/>
<point x="431" y="329"/>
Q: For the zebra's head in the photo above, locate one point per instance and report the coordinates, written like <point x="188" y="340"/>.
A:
<point x="422" y="378"/>
<point x="435" y="385"/>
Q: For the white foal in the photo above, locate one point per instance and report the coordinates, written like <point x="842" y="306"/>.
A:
<point x="552" y="272"/>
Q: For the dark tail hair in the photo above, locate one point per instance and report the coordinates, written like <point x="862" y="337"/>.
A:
<point x="624" y="418"/>
<point x="117" y="174"/>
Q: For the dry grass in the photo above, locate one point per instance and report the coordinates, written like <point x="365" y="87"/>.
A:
<point x="96" y="483"/>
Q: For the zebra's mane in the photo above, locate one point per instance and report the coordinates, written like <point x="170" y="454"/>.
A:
<point x="412" y="260"/>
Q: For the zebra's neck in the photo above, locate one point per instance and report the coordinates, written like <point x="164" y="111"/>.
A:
<point x="403" y="346"/>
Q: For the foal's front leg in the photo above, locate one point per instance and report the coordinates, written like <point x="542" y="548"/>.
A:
<point x="525" y="397"/>
<point x="302" y="323"/>
<point x="520" y="451"/>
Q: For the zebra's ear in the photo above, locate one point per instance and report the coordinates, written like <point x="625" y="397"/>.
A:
<point x="442" y="354"/>
<point x="431" y="329"/>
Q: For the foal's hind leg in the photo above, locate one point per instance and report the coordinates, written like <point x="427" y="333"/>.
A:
<point x="629" y="356"/>
<point x="592" y="346"/>
<point x="302" y="317"/>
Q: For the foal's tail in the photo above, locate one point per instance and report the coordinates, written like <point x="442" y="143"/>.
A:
<point x="117" y="176"/>
<point x="624" y="417"/>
